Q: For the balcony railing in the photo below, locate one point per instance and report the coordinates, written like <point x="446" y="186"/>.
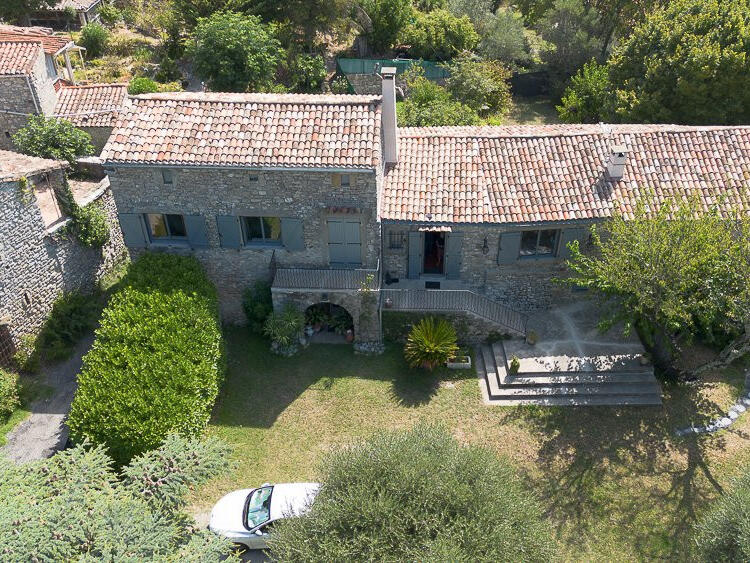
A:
<point x="454" y="300"/>
<point x="319" y="279"/>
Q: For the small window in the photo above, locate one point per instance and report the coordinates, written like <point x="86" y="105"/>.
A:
<point x="340" y="180"/>
<point x="166" y="176"/>
<point x="254" y="177"/>
<point x="539" y="243"/>
<point x="345" y="180"/>
<point x="166" y="226"/>
<point x="396" y="239"/>
<point x="259" y="230"/>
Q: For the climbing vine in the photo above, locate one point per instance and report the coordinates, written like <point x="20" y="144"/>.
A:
<point x="26" y="189"/>
<point x="89" y="223"/>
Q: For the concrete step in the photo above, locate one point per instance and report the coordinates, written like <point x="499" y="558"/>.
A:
<point x="573" y="378"/>
<point x="490" y="371"/>
<point x="581" y="389"/>
<point x="584" y="400"/>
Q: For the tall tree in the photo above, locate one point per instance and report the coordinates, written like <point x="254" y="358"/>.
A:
<point x="439" y="35"/>
<point x="16" y="10"/>
<point x="382" y="21"/>
<point x="588" y="97"/>
<point x="481" y="85"/>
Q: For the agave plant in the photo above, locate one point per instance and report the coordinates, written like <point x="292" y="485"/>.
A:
<point x="430" y="343"/>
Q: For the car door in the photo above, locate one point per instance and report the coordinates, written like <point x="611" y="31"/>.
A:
<point x="259" y="536"/>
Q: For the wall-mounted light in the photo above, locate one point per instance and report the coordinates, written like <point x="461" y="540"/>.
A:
<point x="485" y="246"/>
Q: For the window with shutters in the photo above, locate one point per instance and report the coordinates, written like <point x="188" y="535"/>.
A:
<point x="167" y="177"/>
<point x="341" y="180"/>
<point x="166" y="227"/>
<point x="539" y="243"/>
<point x="261" y="230"/>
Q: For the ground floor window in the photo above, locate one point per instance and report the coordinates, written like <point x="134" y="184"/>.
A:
<point x="539" y="243"/>
<point x="261" y="229"/>
<point x="166" y="226"/>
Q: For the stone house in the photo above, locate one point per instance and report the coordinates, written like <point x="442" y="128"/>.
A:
<point x="87" y="11"/>
<point x="325" y="196"/>
<point x="31" y="83"/>
<point x="39" y="259"/>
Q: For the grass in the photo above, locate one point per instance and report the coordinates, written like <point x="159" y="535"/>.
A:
<point x="532" y="111"/>
<point x="29" y="390"/>
<point x="617" y="483"/>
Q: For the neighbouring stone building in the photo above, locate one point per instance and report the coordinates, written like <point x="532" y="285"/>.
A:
<point x="327" y="198"/>
<point x="86" y="11"/>
<point x="39" y="260"/>
<point x="31" y="83"/>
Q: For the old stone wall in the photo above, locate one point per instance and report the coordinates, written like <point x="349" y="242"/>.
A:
<point x="39" y="265"/>
<point x="308" y="196"/>
<point x="470" y="329"/>
<point x="525" y="285"/>
<point x="99" y="136"/>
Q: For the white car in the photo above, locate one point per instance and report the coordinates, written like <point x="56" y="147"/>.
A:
<point x="247" y="516"/>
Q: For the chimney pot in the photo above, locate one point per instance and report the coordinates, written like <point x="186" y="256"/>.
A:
<point x="389" y="119"/>
<point x="616" y="163"/>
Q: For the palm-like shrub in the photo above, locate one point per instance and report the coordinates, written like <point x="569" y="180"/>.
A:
<point x="284" y="328"/>
<point x="430" y="343"/>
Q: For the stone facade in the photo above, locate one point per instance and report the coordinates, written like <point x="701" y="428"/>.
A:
<point x="39" y="263"/>
<point x="214" y="192"/>
<point x="470" y="329"/>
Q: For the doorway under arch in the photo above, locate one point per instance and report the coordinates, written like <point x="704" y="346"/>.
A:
<point x="329" y="324"/>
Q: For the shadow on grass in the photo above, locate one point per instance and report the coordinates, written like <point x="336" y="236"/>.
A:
<point x="585" y="448"/>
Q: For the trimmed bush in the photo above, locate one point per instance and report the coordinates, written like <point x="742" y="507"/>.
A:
<point x="257" y="303"/>
<point x="431" y="343"/>
<point x="95" y="38"/>
<point x="417" y="496"/>
<point x="72" y="316"/>
<point x="156" y="363"/>
<point x="8" y="393"/>
<point x="142" y="85"/>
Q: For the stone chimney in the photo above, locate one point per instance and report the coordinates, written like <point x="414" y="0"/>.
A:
<point x="616" y="162"/>
<point x="390" y="139"/>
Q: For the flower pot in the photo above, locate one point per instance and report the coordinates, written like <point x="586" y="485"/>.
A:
<point x="349" y="335"/>
<point x="317" y="327"/>
<point x="459" y="362"/>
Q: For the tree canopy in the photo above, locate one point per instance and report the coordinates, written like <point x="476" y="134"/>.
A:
<point x="429" y="104"/>
<point x="481" y="85"/>
<point x="439" y="35"/>
<point x="382" y="21"/>
<point x="49" y="137"/>
<point x="417" y="496"/>
<point x="588" y="97"/>
<point x="14" y="10"/>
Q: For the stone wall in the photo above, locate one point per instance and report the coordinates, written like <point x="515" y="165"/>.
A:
<point x="39" y="265"/>
<point x="213" y="192"/>
<point x="525" y="285"/>
<point x="470" y="329"/>
<point x="99" y="136"/>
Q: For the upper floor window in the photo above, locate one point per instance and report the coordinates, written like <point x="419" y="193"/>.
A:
<point x="261" y="230"/>
<point x="167" y="176"/>
<point x="539" y="243"/>
<point x="341" y="180"/>
<point x="167" y="226"/>
<point x="254" y="177"/>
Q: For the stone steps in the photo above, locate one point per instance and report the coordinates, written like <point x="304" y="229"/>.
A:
<point x="637" y="387"/>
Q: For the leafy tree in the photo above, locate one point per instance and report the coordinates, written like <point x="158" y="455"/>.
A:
<point x="308" y="73"/>
<point x="188" y="12"/>
<point x="307" y="17"/>
<point x="723" y="533"/>
<point x="142" y="85"/>
<point x="687" y="63"/>
<point x="572" y="29"/>
<point x="504" y="37"/>
<point x="258" y="304"/>
<point x="382" y="21"/>
<point x="235" y="53"/>
<point x="52" y="138"/>
<point x="588" y="97"/>
<point x="15" y="10"/>
<point x="481" y="85"/>
<point x="417" y="496"/>
<point x="428" y="104"/>
<point x="478" y="11"/>
<point x="534" y="10"/>
<point x="95" y="38"/>
<point x="439" y="35"/>
<point x="75" y="506"/>
<point x="673" y="268"/>
<point x="429" y="5"/>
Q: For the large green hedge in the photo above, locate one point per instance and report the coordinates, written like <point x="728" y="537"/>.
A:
<point x="156" y="363"/>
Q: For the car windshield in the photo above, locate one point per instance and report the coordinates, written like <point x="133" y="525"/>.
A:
<point x="259" y="506"/>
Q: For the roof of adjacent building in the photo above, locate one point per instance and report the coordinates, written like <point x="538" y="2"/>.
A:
<point x="14" y="165"/>
<point x="529" y="174"/>
<point x="95" y="105"/>
<point x="18" y="57"/>
<point x="248" y="130"/>
<point x="80" y="5"/>
<point x="52" y="44"/>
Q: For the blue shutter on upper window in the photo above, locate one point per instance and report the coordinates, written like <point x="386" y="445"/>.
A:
<point x="133" y="230"/>
<point x="230" y="234"/>
<point x="569" y="235"/>
<point x="195" y="225"/>
<point x="291" y="234"/>
<point x="510" y="245"/>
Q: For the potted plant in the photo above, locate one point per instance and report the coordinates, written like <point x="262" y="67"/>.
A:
<point x="461" y="360"/>
<point x="515" y="365"/>
<point x="430" y="343"/>
<point x="284" y="329"/>
<point x="315" y="317"/>
<point x="341" y="323"/>
<point x="350" y="335"/>
<point x="532" y="337"/>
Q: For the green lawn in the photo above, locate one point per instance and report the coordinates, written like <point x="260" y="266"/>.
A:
<point x="532" y="111"/>
<point x="29" y="389"/>
<point x="617" y="483"/>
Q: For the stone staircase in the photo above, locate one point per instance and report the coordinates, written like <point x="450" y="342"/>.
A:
<point x="634" y="386"/>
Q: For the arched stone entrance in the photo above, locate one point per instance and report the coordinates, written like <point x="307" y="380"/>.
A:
<point x="329" y="323"/>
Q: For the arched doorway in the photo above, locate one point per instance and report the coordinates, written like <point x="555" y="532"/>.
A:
<point x="328" y="323"/>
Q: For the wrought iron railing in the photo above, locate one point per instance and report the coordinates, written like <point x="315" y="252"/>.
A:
<point x="326" y="278"/>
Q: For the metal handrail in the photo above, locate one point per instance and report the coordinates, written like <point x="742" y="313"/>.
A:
<point x="457" y="300"/>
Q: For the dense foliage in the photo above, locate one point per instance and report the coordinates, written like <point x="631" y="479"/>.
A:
<point x="686" y="63"/>
<point x="258" y="304"/>
<point x="481" y="85"/>
<point x="142" y="85"/>
<point x="429" y="104"/>
<point x="417" y="496"/>
<point x="9" y="400"/>
<point x="233" y="52"/>
<point x="588" y="97"/>
<point x="156" y="363"/>
<point x="73" y="315"/>
<point x="307" y="74"/>
<point x="284" y="328"/>
<point x="52" y="138"/>
<point x="383" y="21"/>
<point x="95" y="38"/>
<point x="439" y="35"/>
<point x="673" y="268"/>
<point x="723" y="533"/>
<point x="91" y="226"/>
<point x="504" y="38"/>
<point x="75" y="507"/>
<point x="431" y="343"/>
<point x="15" y="10"/>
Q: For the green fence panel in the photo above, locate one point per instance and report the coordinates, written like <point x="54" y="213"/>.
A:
<point x="432" y="70"/>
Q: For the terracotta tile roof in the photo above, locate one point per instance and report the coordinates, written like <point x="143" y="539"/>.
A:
<point x="95" y="105"/>
<point x="52" y="44"/>
<point x="263" y="130"/>
<point x="18" y="57"/>
<point x="557" y="173"/>
<point x="14" y="165"/>
<point x="83" y="5"/>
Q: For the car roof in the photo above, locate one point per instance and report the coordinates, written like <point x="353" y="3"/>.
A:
<point x="292" y="499"/>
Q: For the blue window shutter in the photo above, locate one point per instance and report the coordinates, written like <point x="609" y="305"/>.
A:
<point x="196" y="231"/>
<point x="291" y="234"/>
<point x="133" y="230"/>
<point x="453" y="244"/>
<point x="569" y="235"/>
<point x="415" y="254"/>
<point x="510" y="245"/>
<point x="229" y="231"/>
